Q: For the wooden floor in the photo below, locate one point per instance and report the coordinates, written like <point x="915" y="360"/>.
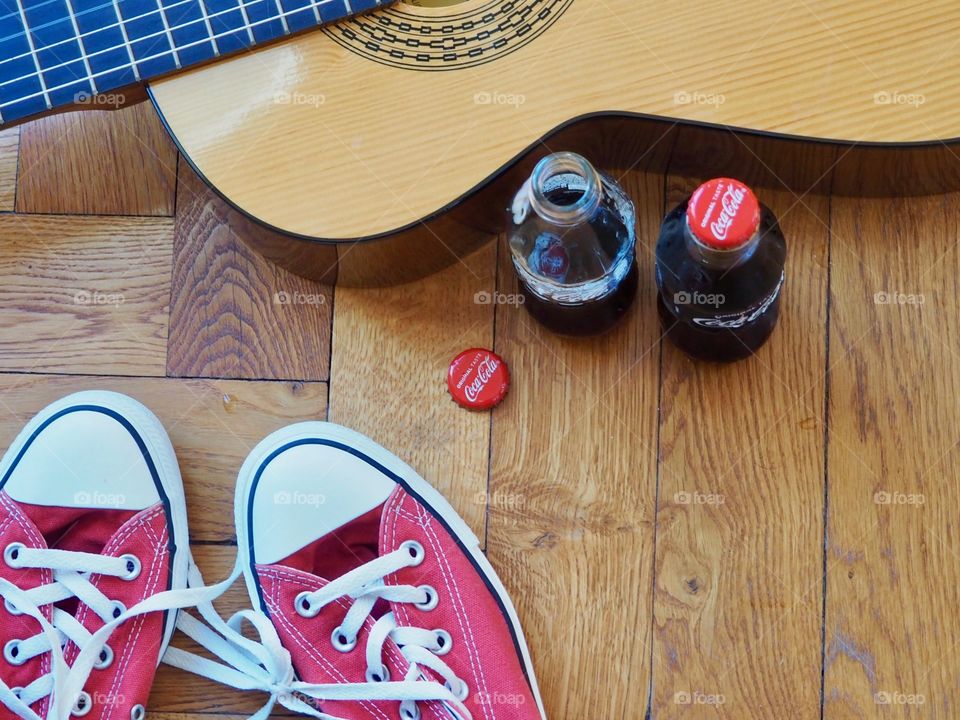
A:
<point x="775" y="539"/>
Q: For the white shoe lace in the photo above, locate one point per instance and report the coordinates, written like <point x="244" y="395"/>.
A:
<point x="71" y="579"/>
<point x="266" y="665"/>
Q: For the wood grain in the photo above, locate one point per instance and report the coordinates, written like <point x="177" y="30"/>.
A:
<point x="9" y="151"/>
<point x="213" y="425"/>
<point x="325" y="155"/>
<point x="84" y="295"/>
<point x="572" y="493"/>
<point x="97" y="162"/>
<point x="391" y="351"/>
<point x="739" y="544"/>
<point x="233" y="314"/>
<point x="893" y="547"/>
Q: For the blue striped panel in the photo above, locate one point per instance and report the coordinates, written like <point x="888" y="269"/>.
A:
<point x="189" y="31"/>
<point x="106" y="52"/>
<point x="228" y="25"/>
<point x="300" y="14"/>
<point x="13" y="43"/>
<point x="264" y="19"/>
<point x="58" y="50"/>
<point x="145" y="28"/>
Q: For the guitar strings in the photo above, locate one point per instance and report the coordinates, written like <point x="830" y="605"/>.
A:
<point x="47" y="91"/>
<point x="241" y="5"/>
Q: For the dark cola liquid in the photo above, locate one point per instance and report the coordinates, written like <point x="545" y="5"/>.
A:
<point x="720" y="314"/>
<point x="595" y="315"/>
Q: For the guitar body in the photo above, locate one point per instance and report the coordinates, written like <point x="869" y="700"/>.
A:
<point x="367" y="128"/>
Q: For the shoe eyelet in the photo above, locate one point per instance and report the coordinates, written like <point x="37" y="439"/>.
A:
<point x="409" y="712"/>
<point x="105" y="659"/>
<point x="133" y="567"/>
<point x="137" y="712"/>
<point x="10" y="608"/>
<point x="12" y="553"/>
<point x="17" y="691"/>
<point x="118" y="609"/>
<point x="304" y="607"/>
<point x="12" y="654"/>
<point x="433" y="599"/>
<point x="378" y="675"/>
<point x="444" y="642"/>
<point x="83" y="704"/>
<point x="461" y="693"/>
<point x="415" y="551"/>
<point x="341" y="642"/>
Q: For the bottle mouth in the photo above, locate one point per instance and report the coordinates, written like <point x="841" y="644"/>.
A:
<point x="565" y="188"/>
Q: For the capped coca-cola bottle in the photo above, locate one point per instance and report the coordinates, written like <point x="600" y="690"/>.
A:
<point x="720" y="272"/>
<point x="572" y="237"/>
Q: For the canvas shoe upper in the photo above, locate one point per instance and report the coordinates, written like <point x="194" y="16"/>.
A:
<point x="371" y="581"/>
<point x="92" y="524"/>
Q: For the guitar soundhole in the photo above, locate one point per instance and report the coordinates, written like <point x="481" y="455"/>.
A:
<point x="468" y="33"/>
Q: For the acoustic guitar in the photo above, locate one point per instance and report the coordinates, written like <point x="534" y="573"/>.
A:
<point x="407" y="126"/>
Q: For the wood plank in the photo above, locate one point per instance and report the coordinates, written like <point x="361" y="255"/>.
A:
<point x="97" y="162"/>
<point x="738" y="597"/>
<point x="213" y="425"/>
<point x="84" y="295"/>
<point x="233" y="313"/>
<point x="893" y="547"/>
<point x="9" y="151"/>
<point x="391" y="351"/>
<point x="573" y="487"/>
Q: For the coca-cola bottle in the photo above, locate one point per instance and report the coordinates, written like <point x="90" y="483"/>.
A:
<point x="572" y="235"/>
<point x="720" y="271"/>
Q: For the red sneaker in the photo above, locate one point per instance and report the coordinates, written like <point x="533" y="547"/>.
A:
<point x="375" y="585"/>
<point x="92" y="522"/>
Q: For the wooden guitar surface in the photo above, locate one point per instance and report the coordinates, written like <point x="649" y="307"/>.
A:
<point x="374" y="124"/>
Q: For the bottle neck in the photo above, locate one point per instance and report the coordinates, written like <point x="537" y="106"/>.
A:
<point x="715" y="258"/>
<point x="565" y="189"/>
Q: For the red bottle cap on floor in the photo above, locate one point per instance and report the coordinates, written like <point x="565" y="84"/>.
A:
<point x="723" y="213"/>
<point x="478" y="379"/>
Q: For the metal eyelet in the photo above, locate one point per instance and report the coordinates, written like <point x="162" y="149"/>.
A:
<point x="461" y="693"/>
<point x="118" y="609"/>
<point x="415" y="550"/>
<point x="304" y="607"/>
<point x="105" y="659"/>
<point x="12" y="654"/>
<point x="137" y="712"/>
<point x="17" y="691"/>
<point x="411" y="712"/>
<point x="378" y="676"/>
<point x="341" y="642"/>
<point x="12" y="552"/>
<point x="133" y="567"/>
<point x="83" y="704"/>
<point x="10" y="608"/>
<point x="433" y="599"/>
<point x="444" y="642"/>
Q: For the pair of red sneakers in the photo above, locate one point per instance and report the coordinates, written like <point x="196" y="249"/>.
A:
<point x="370" y="594"/>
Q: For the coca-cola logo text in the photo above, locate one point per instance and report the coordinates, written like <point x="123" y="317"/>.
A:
<point x="730" y="205"/>
<point x="485" y="370"/>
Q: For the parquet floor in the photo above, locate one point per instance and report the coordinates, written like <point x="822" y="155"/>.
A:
<point x="775" y="539"/>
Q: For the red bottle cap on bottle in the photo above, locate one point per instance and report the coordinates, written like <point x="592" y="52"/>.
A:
<point x="478" y="379"/>
<point x="723" y="214"/>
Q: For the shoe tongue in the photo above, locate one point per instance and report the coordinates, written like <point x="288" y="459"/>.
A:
<point x="76" y="529"/>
